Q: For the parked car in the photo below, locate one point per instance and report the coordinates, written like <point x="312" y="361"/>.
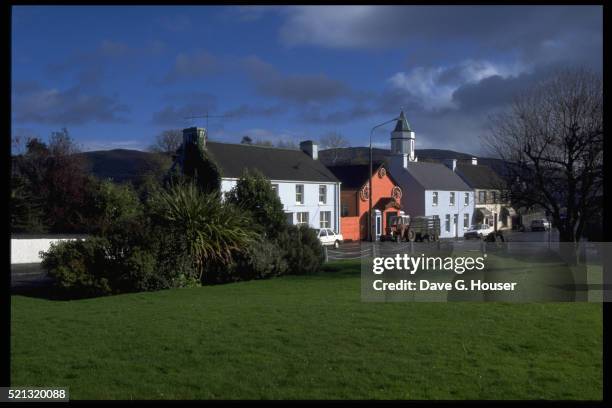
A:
<point x="329" y="238"/>
<point x="478" y="231"/>
<point x="540" y="225"/>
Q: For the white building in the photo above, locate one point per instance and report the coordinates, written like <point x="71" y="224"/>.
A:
<point x="430" y="189"/>
<point x="309" y="192"/>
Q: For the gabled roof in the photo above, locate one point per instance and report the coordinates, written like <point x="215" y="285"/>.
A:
<point x="275" y="163"/>
<point x="479" y="176"/>
<point x="354" y="176"/>
<point x="436" y="176"/>
<point x="402" y="124"/>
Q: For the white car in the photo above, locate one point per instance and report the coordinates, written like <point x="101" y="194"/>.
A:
<point x="478" y="231"/>
<point x="540" y="225"/>
<point x="329" y="238"/>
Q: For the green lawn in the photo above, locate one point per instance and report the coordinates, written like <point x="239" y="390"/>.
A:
<point x="305" y="337"/>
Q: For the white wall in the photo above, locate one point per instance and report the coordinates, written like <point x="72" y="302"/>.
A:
<point x="26" y="250"/>
<point x="286" y="191"/>
<point x="443" y="208"/>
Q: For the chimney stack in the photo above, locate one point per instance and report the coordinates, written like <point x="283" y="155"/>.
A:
<point x="451" y="164"/>
<point x="474" y="161"/>
<point x="310" y="148"/>
<point x="195" y="135"/>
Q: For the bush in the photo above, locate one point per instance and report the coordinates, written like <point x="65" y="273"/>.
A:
<point x="260" y="260"/>
<point x="79" y="267"/>
<point x="108" y="204"/>
<point x="212" y="231"/>
<point x="302" y="250"/>
<point x="253" y="193"/>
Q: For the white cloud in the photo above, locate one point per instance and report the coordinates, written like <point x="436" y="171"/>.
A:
<point x="433" y="87"/>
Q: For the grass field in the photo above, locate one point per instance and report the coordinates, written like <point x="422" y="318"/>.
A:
<point x="305" y="338"/>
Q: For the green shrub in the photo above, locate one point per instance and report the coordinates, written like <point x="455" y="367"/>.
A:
<point x="212" y="231"/>
<point x="302" y="250"/>
<point x="79" y="267"/>
<point x="261" y="259"/>
<point x="253" y="193"/>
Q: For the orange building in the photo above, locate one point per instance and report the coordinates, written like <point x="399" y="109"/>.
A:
<point x="354" y="199"/>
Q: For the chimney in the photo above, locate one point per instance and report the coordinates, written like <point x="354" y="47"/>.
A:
<point x="451" y="164"/>
<point x="195" y="135"/>
<point x="310" y="148"/>
<point x="474" y="161"/>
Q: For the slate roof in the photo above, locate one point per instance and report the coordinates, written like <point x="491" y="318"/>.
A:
<point x="353" y="176"/>
<point x="275" y="163"/>
<point x="479" y="176"/>
<point x="436" y="176"/>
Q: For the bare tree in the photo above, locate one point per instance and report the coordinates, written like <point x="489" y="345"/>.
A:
<point x="552" y="142"/>
<point x="335" y="141"/>
<point x="167" y="142"/>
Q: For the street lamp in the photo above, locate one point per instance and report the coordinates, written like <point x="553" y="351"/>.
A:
<point x="370" y="180"/>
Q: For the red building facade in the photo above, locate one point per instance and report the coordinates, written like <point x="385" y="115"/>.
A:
<point x="354" y="200"/>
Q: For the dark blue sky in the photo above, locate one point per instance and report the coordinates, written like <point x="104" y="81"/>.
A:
<point x="117" y="76"/>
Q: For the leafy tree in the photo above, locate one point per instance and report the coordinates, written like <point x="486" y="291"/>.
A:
<point x="109" y="203"/>
<point x="246" y="140"/>
<point x="52" y="179"/>
<point x="253" y="193"/>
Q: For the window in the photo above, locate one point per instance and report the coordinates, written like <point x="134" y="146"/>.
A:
<point x="299" y="194"/>
<point x="455" y="222"/>
<point x="275" y="188"/>
<point x="447" y="224"/>
<point x="322" y="194"/>
<point x="452" y="198"/>
<point x="494" y="197"/>
<point x="466" y="199"/>
<point x="434" y="197"/>
<point x="345" y="210"/>
<point x="322" y="233"/>
<point x="482" y="197"/>
<point x="325" y="219"/>
<point x="466" y="221"/>
<point x="289" y="218"/>
<point x="302" y="218"/>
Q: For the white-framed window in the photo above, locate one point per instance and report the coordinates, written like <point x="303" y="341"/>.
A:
<point x="322" y="194"/>
<point x="289" y="217"/>
<point x="466" y="221"/>
<point x="275" y="188"/>
<point x="434" y="198"/>
<point x="455" y="222"/>
<point x="299" y="194"/>
<point x="325" y="219"/>
<point x="447" y="223"/>
<point x="466" y="199"/>
<point x="494" y="197"/>
<point x="452" y="198"/>
<point x="302" y="219"/>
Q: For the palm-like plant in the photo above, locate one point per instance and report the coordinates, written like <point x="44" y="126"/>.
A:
<point x="213" y="230"/>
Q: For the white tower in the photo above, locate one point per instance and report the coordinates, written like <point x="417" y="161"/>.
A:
<point x="402" y="142"/>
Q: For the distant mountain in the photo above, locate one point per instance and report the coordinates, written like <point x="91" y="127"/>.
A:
<point x="122" y="165"/>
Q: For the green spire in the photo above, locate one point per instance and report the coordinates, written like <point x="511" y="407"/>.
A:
<point x="402" y="124"/>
